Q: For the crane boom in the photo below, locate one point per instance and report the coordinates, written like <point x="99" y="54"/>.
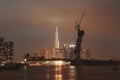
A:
<point x="81" y="18"/>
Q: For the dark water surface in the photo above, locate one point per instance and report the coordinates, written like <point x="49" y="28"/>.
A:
<point x="65" y="72"/>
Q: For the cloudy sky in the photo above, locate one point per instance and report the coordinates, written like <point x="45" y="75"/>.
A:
<point x="30" y="24"/>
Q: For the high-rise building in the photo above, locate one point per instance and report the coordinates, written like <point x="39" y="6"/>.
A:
<point x="85" y="54"/>
<point x="56" y="38"/>
<point x="41" y="52"/>
<point x="6" y="51"/>
<point x="50" y="53"/>
<point x="1" y="47"/>
<point x="68" y="51"/>
<point x="9" y="50"/>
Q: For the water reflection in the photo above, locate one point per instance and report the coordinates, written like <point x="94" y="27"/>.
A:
<point x="72" y="72"/>
<point x="58" y="68"/>
<point x="54" y="72"/>
<point x="25" y="75"/>
<point x="48" y="76"/>
<point x="62" y="72"/>
<point x="58" y="72"/>
<point x="58" y="77"/>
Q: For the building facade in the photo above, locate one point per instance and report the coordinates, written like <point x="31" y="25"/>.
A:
<point x="85" y="54"/>
<point x="57" y="38"/>
<point x="6" y="51"/>
<point x="1" y="47"/>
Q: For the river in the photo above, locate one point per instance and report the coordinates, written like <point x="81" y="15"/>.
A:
<point x="62" y="72"/>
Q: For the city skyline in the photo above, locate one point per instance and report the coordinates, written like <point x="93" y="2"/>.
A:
<point x="31" y="25"/>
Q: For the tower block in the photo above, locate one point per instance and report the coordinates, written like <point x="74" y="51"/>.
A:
<point x="57" y="39"/>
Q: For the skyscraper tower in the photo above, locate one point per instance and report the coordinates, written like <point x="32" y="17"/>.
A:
<point x="56" y="38"/>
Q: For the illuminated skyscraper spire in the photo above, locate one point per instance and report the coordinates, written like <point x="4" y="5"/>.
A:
<point x="56" y="38"/>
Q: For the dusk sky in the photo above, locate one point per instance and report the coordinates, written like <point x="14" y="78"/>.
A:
<point x="30" y="24"/>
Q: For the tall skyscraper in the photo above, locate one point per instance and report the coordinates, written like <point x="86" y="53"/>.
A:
<point x="1" y="46"/>
<point x="9" y="50"/>
<point x="6" y="51"/>
<point x="56" y="38"/>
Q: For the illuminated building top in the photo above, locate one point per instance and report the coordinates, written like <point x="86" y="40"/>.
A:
<point x="56" y="38"/>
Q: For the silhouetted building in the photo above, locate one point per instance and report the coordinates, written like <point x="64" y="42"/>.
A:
<point x="6" y="51"/>
<point x="85" y="54"/>
<point x="50" y="53"/>
<point x="1" y="49"/>
<point x="58" y="53"/>
<point x="9" y="50"/>
<point x="68" y="51"/>
<point x="71" y="51"/>
<point x="1" y="46"/>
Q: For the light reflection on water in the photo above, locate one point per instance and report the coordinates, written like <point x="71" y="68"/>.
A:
<point x="58" y="75"/>
<point x="72" y="72"/>
<point x="62" y="72"/>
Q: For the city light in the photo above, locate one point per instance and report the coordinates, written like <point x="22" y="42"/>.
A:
<point x="71" y="46"/>
<point x="59" y="63"/>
